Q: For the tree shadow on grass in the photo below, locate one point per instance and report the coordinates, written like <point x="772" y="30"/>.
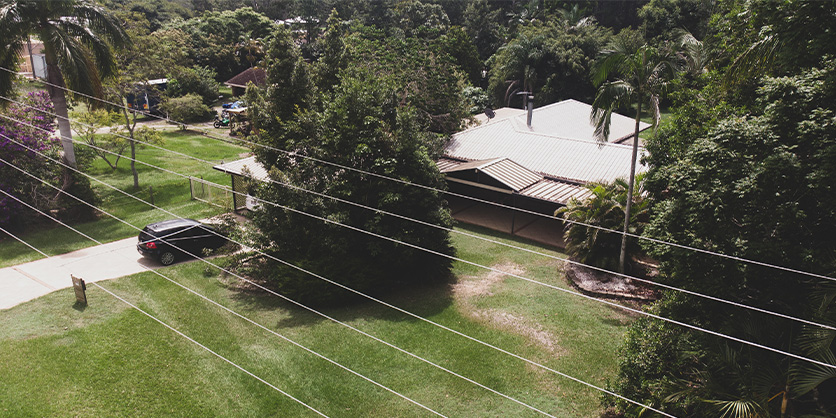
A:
<point x="426" y="299"/>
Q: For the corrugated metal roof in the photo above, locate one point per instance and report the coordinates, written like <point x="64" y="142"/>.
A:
<point x="556" y="191"/>
<point x="543" y="188"/>
<point x="579" y="160"/>
<point x="257" y="171"/>
<point x="503" y="170"/>
<point x="445" y="163"/>
<point x="567" y="119"/>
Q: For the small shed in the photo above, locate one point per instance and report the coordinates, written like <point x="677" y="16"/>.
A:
<point x="253" y="75"/>
<point x="241" y="170"/>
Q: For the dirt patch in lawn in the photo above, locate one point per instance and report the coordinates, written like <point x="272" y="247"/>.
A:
<point x="602" y="284"/>
<point x="471" y="288"/>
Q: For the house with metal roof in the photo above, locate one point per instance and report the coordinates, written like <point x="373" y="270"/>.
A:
<point x="549" y="158"/>
<point x="536" y="160"/>
<point x="537" y="166"/>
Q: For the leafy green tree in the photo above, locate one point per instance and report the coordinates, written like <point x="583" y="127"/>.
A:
<point x="639" y="74"/>
<point x="194" y="80"/>
<point x="87" y="126"/>
<point x="482" y="23"/>
<point x="77" y="37"/>
<point x="605" y="209"/>
<point x="458" y="45"/>
<point x="661" y="18"/>
<point x="476" y="99"/>
<point x="155" y="12"/>
<point x="755" y="186"/>
<point x="332" y="60"/>
<point x="213" y="38"/>
<point x="187" y="109"/>
<point x="368" y="127"/>
<point x="424" y="75"/>
<point x="421" y="20"/>
<point x="289" y="87"/>
<point x="553" y="61"/>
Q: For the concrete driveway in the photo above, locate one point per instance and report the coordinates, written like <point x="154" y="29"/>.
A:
<point x="28" y="281"/>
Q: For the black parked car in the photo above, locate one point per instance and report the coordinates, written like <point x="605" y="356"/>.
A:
<point x="168" y="240"/>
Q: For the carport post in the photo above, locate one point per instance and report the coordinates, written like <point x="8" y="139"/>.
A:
<point x="513" y="212"/>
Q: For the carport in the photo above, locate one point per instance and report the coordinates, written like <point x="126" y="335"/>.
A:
<point x="511" y="186"/>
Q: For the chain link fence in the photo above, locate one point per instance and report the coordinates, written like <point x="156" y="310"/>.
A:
<point x="211" y="193"/>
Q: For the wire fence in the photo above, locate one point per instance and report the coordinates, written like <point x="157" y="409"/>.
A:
<point x="211" y="193"/>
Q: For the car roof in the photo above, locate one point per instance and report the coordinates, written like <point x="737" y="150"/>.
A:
<point x="171" y="224"/>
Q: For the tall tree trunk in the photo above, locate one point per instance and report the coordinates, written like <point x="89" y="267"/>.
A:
<point x="622" y="258"/>
<point x="130" y="124"/>
<point x="59" y="100"/>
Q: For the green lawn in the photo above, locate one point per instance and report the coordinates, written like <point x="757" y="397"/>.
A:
<point x="170" y="192"/>
<point x="109" y="360"/>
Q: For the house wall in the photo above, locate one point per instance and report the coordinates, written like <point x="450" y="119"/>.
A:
<point x="526" y="225"/>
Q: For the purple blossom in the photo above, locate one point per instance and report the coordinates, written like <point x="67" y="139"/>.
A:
<point x="38" y="136"/>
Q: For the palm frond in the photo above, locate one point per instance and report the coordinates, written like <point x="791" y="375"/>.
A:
<point x="740" y="408"/>
<point x="75" y="62"/>
<point x="95" y="45"/>
<point x="610" y="97"/>
<point x="755" y="61"/>
<point x="807" y="376"/>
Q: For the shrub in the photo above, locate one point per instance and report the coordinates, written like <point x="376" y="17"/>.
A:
<point x="187" y="109"/>
<point x="195" y="80"/>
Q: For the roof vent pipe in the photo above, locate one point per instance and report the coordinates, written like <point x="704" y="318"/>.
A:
<point x="530" y="107"/>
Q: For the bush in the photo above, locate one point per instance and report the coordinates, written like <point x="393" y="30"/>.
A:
<point x="187" y="109"/>
<point x="195" y="80"/>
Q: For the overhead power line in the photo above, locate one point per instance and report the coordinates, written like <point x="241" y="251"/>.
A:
<point x="637" y="311"/>
<point x="409" y="183"/>
<point x="288" y="299"/>
<point x="577" y="263"/>
<point x="213" y="302"/>
<point x="178" y="332"/>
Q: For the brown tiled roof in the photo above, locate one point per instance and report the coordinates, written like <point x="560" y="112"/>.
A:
<point x="254" y="74"/>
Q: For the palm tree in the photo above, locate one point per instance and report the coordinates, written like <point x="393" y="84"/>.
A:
<point x="77" y="37"/>
<point x="604" y="208"/>
<point x="518" y="62"/>
<point x="640" y="74"/>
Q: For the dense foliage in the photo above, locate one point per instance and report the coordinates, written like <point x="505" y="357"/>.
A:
<point x="605" y="208"/>
<point x="552" y="60"/>
<point x="365" y="123"/>
<point x="187" y="109"/>
<point x="195" y="80"/>
<point x="20" y="145"/>
<point x="746" y="169"/>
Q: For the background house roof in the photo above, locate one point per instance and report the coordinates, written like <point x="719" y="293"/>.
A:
<point x="566" y="119"/>
<point x="254" y="74"/>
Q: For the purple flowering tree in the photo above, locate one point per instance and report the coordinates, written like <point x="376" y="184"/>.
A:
<point x="15" y="137"/>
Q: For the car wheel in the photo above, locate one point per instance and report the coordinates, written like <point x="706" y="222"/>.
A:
<point x="167" y="258"/>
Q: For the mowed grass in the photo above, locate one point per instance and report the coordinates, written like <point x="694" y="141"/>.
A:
<point x="169" y="190"/>
<point x="110" y="360"/>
